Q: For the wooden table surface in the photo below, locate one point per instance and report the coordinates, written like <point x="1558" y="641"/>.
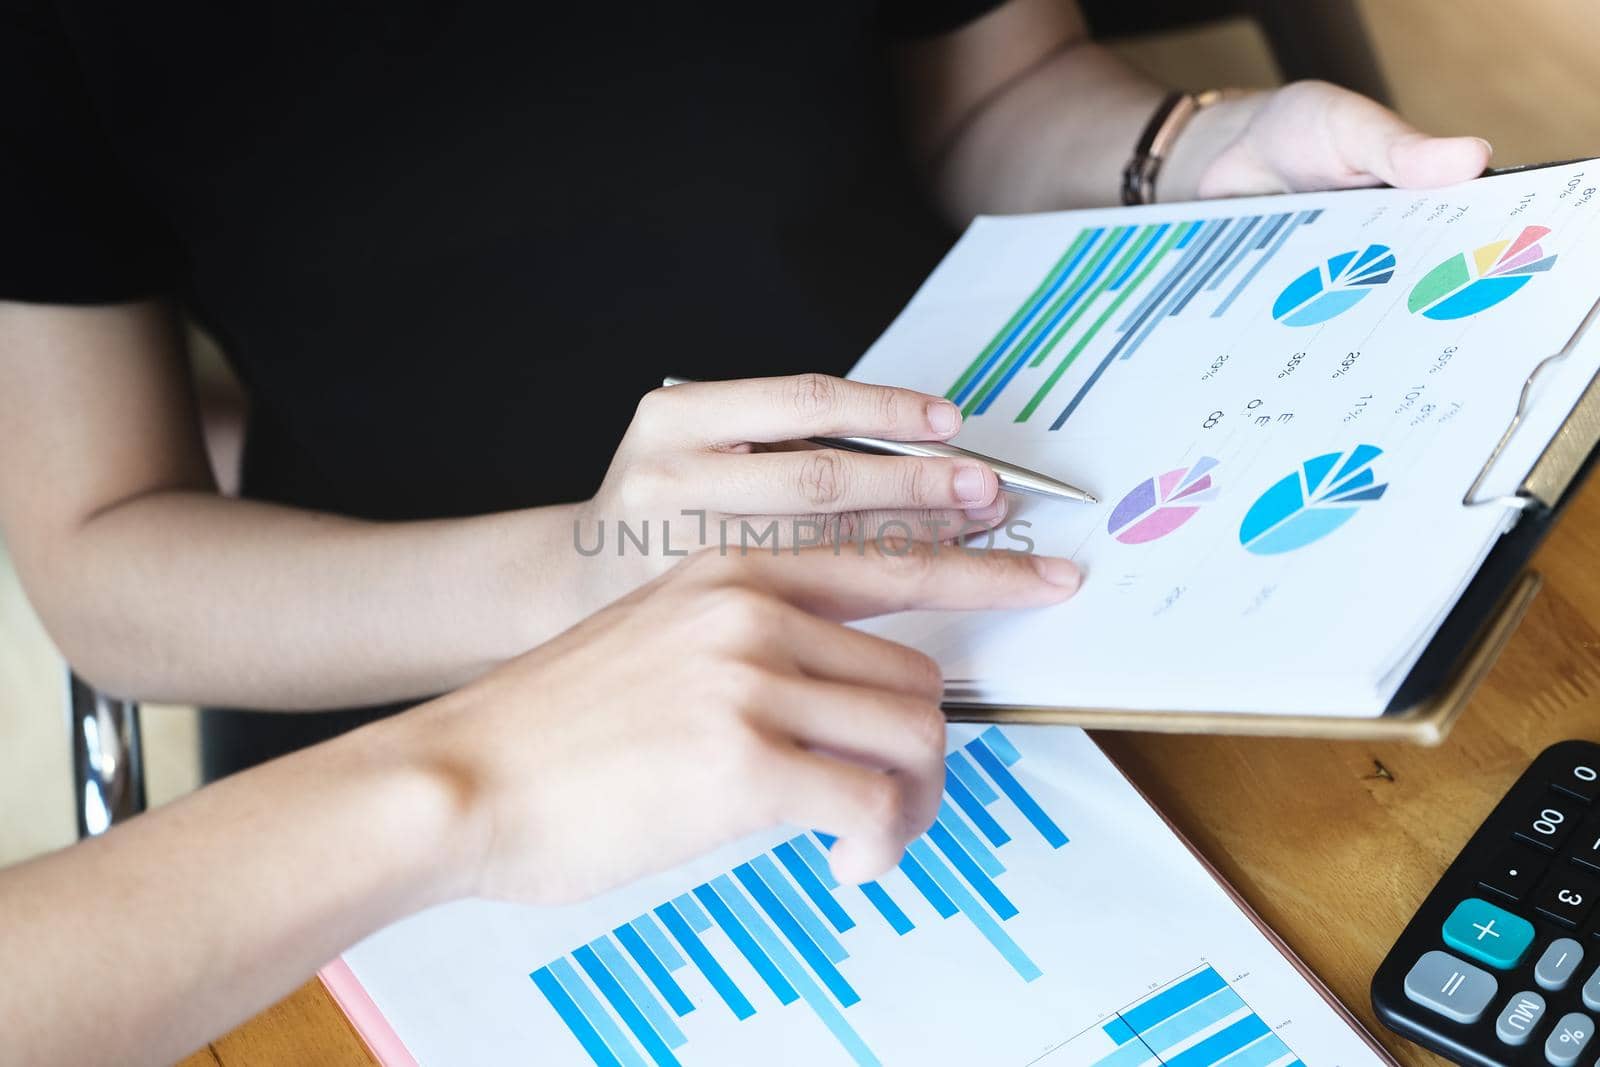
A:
<point x="1334" y="844"/>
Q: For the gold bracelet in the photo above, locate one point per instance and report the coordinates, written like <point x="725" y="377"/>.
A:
<point x="1155" y="144"/>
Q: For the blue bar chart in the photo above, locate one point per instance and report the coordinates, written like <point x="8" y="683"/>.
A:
<point x="787" y="921"/>
<point x="1120" y="284"/>
<point x="1198" y="1020"/>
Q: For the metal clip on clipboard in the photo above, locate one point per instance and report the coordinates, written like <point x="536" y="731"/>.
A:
<point x="1462" y="650"/>
<point x="1547" y="481"/>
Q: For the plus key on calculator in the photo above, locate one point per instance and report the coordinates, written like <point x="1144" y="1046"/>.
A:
<point x="1501" y="964"/>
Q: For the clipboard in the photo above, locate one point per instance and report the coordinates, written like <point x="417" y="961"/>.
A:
<point x="1466" y="645"/>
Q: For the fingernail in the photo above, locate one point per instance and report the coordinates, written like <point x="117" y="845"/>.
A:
<point x="971" y="485"/>
<point x="943" y="418"/>
<point x="1487" y="147"/>
<point x="1057" y="571"/>
<point x="992" y="512"/>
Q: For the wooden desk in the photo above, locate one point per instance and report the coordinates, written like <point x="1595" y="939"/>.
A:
<point x="1334" y="844"/>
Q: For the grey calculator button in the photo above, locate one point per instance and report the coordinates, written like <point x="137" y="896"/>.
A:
<point x="1453" y="988"/>
<point x="1520" y="1018"/>
<point x="1558" y="964"/>
<point x="1568" y="1040"/>
<point x="1591" y="992"/>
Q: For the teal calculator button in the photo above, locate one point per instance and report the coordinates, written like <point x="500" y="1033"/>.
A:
<point x="1488" y="934"/>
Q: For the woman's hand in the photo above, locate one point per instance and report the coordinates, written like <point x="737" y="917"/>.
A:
<point x="725" y="463"/>
<point x="1021" y="111"/>
<point x="1311" y="135"/>
<point x="721" y="699"/>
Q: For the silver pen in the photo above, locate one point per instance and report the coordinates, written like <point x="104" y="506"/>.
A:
<point x="1013" y="479"/>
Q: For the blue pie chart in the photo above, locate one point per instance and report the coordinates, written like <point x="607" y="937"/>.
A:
<point x="1310" y="503"/>
<point x="1334" y="287"/>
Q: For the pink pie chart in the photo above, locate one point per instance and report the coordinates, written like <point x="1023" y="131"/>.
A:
<point x="1157" y="506"/>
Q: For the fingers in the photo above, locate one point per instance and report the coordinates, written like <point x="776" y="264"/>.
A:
<point x="888" y="731"/>
<point x="874" y="814"/>
<point x="824" y="480"/>
<point x="1375" y="143"/>
<point x="874" y="578"/>
<point x="832" y="653"/>
<point x="1426" y="162"/>
<point x="785" y="409"/>
<point x="944" y="525"/>
<point x="849" y="527"/>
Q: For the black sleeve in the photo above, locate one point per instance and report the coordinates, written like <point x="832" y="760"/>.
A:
<point x="76" y="231"/>
<point x="903" y="19"/>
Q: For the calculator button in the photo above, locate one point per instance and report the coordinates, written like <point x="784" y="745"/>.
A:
<point x="1585" y="848"/>
<point x="1591" y="992"/>
<point x="1558" y="964"/>
<point x="1568" y="1040"/>
<point x="1487" y="933"/>
<point x="1516" y="870"/>
<point x="1520" y="1018"/>
<point x="1566" y="895"/>
<point x="1548" y="822"/>
<point x="1454" y="989"/>
<point x="1581" y="780"/>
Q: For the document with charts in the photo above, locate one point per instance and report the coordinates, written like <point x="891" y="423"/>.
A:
<point x="1049" y="917"/>
<point x="1280" y="402"/>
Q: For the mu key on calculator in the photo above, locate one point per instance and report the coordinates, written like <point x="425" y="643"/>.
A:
<point x="1501" y="964"/>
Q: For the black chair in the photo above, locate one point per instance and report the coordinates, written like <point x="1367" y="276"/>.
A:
<point x="107" y="758"/>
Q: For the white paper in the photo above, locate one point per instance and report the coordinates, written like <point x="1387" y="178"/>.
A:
<point x="1195" y="619"/>
<point x="1118" y="913"/>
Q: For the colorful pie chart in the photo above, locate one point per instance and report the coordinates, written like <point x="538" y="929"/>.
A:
<point x="1157" y="506"/>
<point x="1334" y="287"/>
<point x="1311" y="503"/>
<point x="1470" y="282"/>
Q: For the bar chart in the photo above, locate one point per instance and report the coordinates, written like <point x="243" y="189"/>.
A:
<point x="994" y="941"/>
<point x="1197" y="1020"/>
<point x="1108" y="285"/>
<point x="785" y="917"/>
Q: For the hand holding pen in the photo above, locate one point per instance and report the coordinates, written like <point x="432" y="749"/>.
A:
<point x="1013" y="479"/>
<point x="738" y="454"/>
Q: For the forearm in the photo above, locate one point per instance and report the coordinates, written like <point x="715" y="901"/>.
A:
<point x="1055" y="137"/>
<point x="1058" y="131"/>
<point x="141" y="945"/>
<point x="185" y="596"/>
<point x="1021" y="111"/>
<point x="156" y="587"/>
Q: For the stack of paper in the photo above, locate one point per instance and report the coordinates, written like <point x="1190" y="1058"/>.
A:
<point x="1280" y="403"/>
<point x="1049" y="917"/>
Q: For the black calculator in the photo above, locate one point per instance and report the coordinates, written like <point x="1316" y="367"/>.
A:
<point x="1501" y="964"/>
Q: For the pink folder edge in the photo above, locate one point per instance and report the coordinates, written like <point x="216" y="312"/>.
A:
<point x="381" y="1040"/>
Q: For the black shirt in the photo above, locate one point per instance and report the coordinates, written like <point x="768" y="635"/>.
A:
<point x="447" y="246"/>
<point x="418" y="229"/>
